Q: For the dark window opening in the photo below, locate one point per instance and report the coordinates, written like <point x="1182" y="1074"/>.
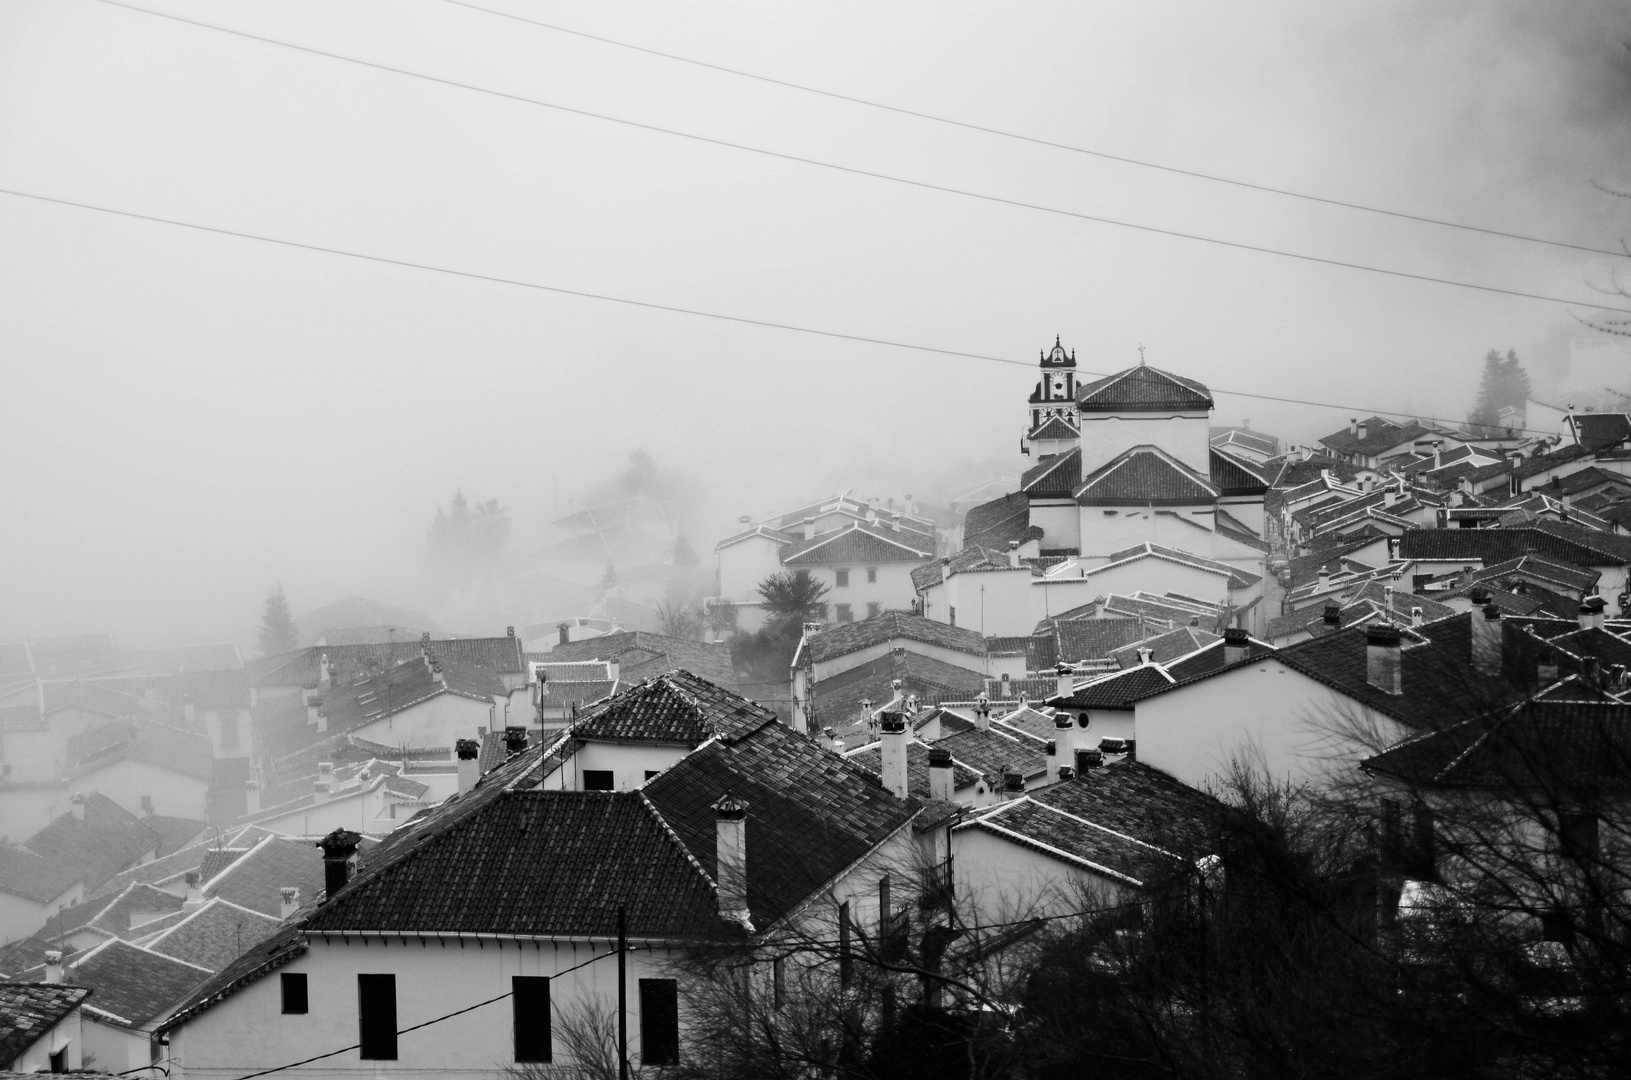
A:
<point x="597" y="780"/>
<point x="873" y="608"/>
<point x="652" y="774"/>
<point x="844" y="613"/>
<point x="294" y="993"/>
<point x="529" y="996"/>
<point x="659" y="1022"/>
<point x="59" y="1060"/>
<point x="843" y="578"/>
<point x="376" y="1017"/>
<point x="872" y="575"/>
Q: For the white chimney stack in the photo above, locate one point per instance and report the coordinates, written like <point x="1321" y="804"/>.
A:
<point x="324" y="784"/>
<point x="894" y="754"/>
<point x="941" y="782"/>
<point x="982" y="712"/>
<point x="195" y="892"/>
<point x="76" y="805"/>
<point x="325" y="673"/>
<point x="1236" y="645"/>
<point x="252" y="797"/>
<point x="469" y="754"/>
<point x="290" y="901"/>
<point x="1382" y="667"/>
<point x="1013" y="553"/>
<point x="731" y="855"/>
<point x="809" y="528"/>
<point x="1065" y="680"/>
<point x="53" y="966"/>
<point x="1353" y="426"/>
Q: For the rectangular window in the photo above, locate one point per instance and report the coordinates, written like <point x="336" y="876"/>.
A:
<point x="844" y="613"/>
<point x="597" y="780"/>
<point x="659" y="1022"/>
<point x="873" y="608"/>
<point x="872" y="575"/>
<point x="294" y="993"/>
<point x="529" y="998"/>
<point x="843" y="578"/>
<point x="376" y="1017"/>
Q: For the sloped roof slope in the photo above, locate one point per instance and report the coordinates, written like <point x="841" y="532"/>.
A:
<point x="1143" y="389"/>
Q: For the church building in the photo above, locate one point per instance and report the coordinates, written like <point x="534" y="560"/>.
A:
<point x="1125" y="488"/>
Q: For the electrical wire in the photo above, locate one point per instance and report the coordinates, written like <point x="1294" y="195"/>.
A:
<point x="872" y="174"/>
<point x="1034" y="140"/>
<point x="428" y="1023"/>
<point x="671" y="308"/>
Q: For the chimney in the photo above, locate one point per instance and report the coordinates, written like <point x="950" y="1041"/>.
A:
<point x="53" y="966"/>
<point x="1013" y="553"/>
<point x="325" y="673"/>
<point x="1013" y="784"/>
<point x="339" y="859"/>
<point x="945" y="567"/>
<point x="76" y="805"/>
<point x="323" y="786"/>
<point x="1145" y="656"/>
<point x="1364" y="430"/>
<point x="1052" y="753"/>
<point x="1585" y="617"/>
<point x="731" y="854"/>
<point x="1353" y="426"/>
<point x="1066" y="773"/>
<point x="509" y="631"/>
<point x="941" y="782"/>
<point x="1323" y="582"/>
<point x="290" y="901"/>
<point x="809" y="528"/>
<point x="1565" y="503"/>
<point x="515" y="740"/>
<point x="1088" y="759"/>
<point x="982" y="712"/>
<point x="894" y="754"/>
<point x="1382" y="659"/>
<point x="564" y="633"/>
<point x="1333" y="614"/>
<point x="1416" y="616"/>
<point x="1065" y="680"/>
<point x="1438" y="453"/>
<point x="252" y="797"/>
<point x="469" y="753"/>
<point x="1486" y="641"/>
<point x="1236" y="645"/>
<point x="1596" y="604"/>
<point x="195" y="892"/>
<point x="1064" y="737"/>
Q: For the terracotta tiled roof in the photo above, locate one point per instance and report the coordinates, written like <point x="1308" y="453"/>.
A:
<point x="1054" y="428"/>
<point x="674" y="708"/>
<point x="1225" y="437"/>
<point x="1055" y="475"/>
<point x="1167" y="647"/>
<point x="1238" y="578"/>
<point x="211" y="936"/>
<point x="1380" y="437"/>
<point x="995" y="523"/>
<point x="845" y="638"/>
<point x="1211" y="658"/>
<point x="836" y="700"/>
<point x="131" y="985"/>
<point x="777" y="536"/>
<point x="1143" y="389"/>
<point x="1116" y="692"/>
<point x="500" y="655"/>
<point x="147" y="741"/>
<point x="1145" y="474"/>
<point x="991" y="753"/>
<point x="1572" y="544"/>
<point x="858" y="542"/>
<point x="1564" y="747"/>
<point x="70" y="851"/>
<point x="254" y="881"/>
<point x="1599" y="431"/>
<point x="642" y="655"/>
<point x="1232" y="476"/>
<point x="29" y="1010"/>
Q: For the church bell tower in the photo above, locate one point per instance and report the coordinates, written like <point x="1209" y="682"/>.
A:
<point x="1053" y="422"/>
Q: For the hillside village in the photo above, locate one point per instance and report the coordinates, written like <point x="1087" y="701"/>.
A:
<point x="999" y="726"/>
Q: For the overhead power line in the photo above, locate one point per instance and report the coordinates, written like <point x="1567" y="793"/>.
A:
<point x="855" y="171"/>
<point x="1034" y="140"/>
<point x="585" y="294"/>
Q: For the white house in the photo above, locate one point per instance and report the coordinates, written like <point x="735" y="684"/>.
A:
<point x="755" y="832"/>
<point x="43" y="1028"/>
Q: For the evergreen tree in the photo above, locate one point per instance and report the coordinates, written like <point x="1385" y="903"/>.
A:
<point x="796" y="594"/>
<point x="1504" y="384"/>
<point x="278" y="633"/>
<point x="464" y="544"/>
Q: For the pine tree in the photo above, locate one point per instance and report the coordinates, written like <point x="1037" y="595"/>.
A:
<point x="278" y="633"/>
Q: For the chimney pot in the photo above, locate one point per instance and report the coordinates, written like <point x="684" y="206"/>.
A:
<point x="1333" y="614"/>
<point x="515" y="740"/>
<point x="509" y="631"/>
<point x="1013" y="783"/>
<point x="1382" y="666"/>
<point x="53" y="966"/>
<point x="1065" y="680"/>
<point x="290" y="901"/>
<point x="1066" y="773"/>
<point x="730" y="817"/>
<point x="469" y="755"/>
<point x="252" y="797"/>
<point x="195" y="890"/>
<point x="1236" y="644"/>
<point x="339" y="858"/>
<point x="76" y="805"/>
<point x="1088" y="759"/>
<point x="809" y="528"/>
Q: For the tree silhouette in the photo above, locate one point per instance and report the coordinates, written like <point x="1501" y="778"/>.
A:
<point x="796" y="594"/>
<point x="278" y="633"/>
<point x="464" y="544"/>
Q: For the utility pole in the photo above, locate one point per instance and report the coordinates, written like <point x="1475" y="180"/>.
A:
<point x="622" y="993"/>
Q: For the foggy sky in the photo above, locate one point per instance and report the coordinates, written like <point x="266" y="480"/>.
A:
<point x="188" y="418"/>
